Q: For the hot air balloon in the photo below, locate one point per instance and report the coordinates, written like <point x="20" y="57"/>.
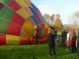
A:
<point x="17" y="21"/>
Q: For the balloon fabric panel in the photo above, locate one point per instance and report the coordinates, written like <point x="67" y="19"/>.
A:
<point x="3" y="25"/>
<point x="22" y="3"/>
<point x="2" y="39"/>
<point x="11" y="39"/>
<point x="13" y="5"/>
<point x="29" y="3"/>
<point x="34" y="20"/>
<point x="24" y="13"/>
<point x="23" y="41"/>
<point x="43" y="20"/>
<point x="38" y="19"/>
<point x="17" y="19"/>
<point x="32" y="10"/>
<point x="28" y="26"/>
<point x="5" y="1"/>
<point x="6" y="13"/>
<point x="1" y="5"/>
<point x="14" y="29"/>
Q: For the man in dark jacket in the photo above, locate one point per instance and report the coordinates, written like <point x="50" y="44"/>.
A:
<point x="51" y="41"/>
<point x="38" y="31"/>
<point x="63" y="36"/>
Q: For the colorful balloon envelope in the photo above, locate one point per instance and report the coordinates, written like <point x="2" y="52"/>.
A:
<point x="17" y="21"/>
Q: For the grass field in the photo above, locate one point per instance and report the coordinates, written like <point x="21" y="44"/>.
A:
<point x="33" y="52"/>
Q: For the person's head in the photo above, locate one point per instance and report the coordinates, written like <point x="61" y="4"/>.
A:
<point x="51" y="29"/>
<point x="35" y="27"/>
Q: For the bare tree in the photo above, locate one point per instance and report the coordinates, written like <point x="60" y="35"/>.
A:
<point x="74" y="20"/>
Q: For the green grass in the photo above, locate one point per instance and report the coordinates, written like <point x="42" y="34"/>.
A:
<point x="34" y="52"/>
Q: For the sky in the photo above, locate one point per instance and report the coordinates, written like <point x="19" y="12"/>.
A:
<point x="63" y="7"/>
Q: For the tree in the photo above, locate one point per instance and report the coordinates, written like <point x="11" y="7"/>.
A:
<point x="74" y="19"/>
<point x="47" y="18"/>
<point x="58" y="24"/>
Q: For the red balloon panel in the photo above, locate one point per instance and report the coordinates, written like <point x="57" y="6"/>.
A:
<point x="13" y="5"/>
<point x="17" y="19"/>
<point x="2" y="39"/>
<point x="13" y="29"/>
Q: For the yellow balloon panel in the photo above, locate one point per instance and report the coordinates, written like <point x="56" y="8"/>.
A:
<point x="11" y="39"/>
<point x="47" y="26"/>
<point x="22" y="3"/>
<point x="28" y="27"/>
<point x="28" y="2"/>
<point x="24" y="12"/>
<point x="24" y="33"/>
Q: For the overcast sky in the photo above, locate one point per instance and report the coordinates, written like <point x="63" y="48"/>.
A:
<point x="63" y="7"/>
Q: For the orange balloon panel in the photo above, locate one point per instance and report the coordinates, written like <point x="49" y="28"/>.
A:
<point x="24" y="40"/>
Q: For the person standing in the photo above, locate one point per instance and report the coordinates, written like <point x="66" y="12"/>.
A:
<point x="37" y="33"/>
<point x="63" y="36"/>
<point x="73" y="45"/>
<point x="51" y="41"/>
<point x="71" y="41"/>
<point x="77" y="39"/>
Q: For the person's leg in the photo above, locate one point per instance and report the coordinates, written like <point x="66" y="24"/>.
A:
<point x="54" y="52"/>
<point x="63" y="42"/>
<point x="36" y="41"/>
<point x="75" y="48"/>
<point x="69" y="49"/>
<point x="50" y="50"/>
<point x="72" y="48"/>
